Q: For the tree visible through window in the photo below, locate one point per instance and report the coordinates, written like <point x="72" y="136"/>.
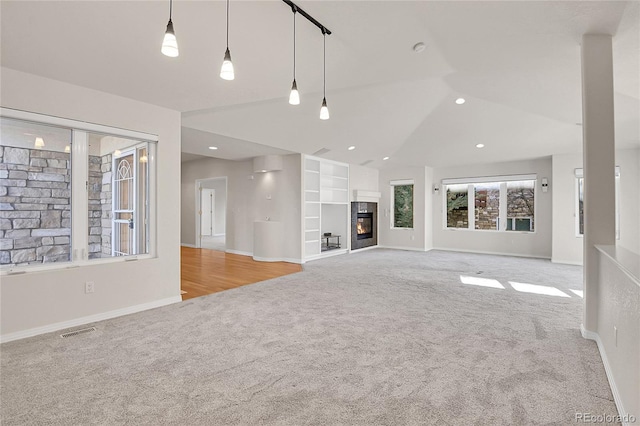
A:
<point x="403" y="206"/>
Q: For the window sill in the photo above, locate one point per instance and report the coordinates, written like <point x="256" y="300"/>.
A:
<point x="28" y="269"/>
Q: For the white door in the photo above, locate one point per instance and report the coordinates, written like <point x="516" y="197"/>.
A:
<point x="124" y="204"/>
<point x="207" y="201"/>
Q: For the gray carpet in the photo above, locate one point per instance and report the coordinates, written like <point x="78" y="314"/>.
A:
<point x="381" y="337"/>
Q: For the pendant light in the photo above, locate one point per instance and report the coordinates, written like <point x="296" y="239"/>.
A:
<point x="294" y="96"/>
<point x="324" y="110"/>
<point x="170" y="44"/>
<point x="226" y="72"/>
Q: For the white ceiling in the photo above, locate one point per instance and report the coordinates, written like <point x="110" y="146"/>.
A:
<point x="516" y="63"/>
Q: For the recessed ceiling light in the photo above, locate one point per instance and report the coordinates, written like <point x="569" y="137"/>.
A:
<point x="385" y="158"/>
<point x="460" y="101"/>
<point x="480" y="145"/>
<point x="419" y="47"/>
<point x="351" y="148"/>
<point x="213" y="147"/>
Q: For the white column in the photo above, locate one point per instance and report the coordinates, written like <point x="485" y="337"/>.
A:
<point x="599" y="163"/>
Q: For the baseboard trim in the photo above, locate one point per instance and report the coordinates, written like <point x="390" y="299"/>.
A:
<point x="566" y="262"/>
<point x="277" y="259"/>
<point x="326" y="254"/>
<point x="496" y="253"/>
<point x="188" y="245"/>
<point x="241" y="253"/>
<point x="403" y="248"/>
<point x="219" y="235"/>
<point x="88" y="319"/>
<point x="592" y="335"/>
<point x="358" y="250"/>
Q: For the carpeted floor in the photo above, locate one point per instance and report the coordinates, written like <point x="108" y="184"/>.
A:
<point x="381" y="337"/>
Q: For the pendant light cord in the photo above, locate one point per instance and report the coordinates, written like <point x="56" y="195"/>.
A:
<point x="294" y="43"/>
<point x="324" y="64"/>
<point x="170" y="8"/>
<point x="227" y="24"/>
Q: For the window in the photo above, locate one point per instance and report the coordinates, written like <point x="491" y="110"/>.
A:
<point x="71" y="192"/>
<point x="580" y="202"/>
<point x="499" y="203"/>
<point x="457" y="206"/>
<point x="35" y="193"/>
<point x="402" y="204"/>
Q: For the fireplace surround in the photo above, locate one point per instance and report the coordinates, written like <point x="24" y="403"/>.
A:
<point x="364" y="225"/>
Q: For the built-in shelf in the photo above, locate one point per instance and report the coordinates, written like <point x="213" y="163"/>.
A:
<point x="326" y="204"/>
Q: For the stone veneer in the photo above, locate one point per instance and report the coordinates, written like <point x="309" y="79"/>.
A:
<point x="35" y="209"/>
<point x="35" y="206"/>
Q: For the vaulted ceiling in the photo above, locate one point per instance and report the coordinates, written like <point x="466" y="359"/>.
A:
<point x="516" y="63"/>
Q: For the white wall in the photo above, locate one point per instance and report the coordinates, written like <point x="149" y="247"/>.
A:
<point x="220" y="208"/>
<point x="412" y="239"/>
<point x="363" y="179"/>
<point x="247" y="201"/>
<point x="32" y="301"/>
<point x="567" y="248"/>
<point x="533" y="244"/>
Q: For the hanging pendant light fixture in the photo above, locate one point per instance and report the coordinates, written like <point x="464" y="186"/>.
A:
<point x="324" y="110"/>
<point x="294" y="96"/>
<point x="170" y="44"/>
<point x="226" y="72"/>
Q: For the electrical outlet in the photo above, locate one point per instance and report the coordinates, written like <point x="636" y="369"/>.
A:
<point x="615" y="335"/>
<point x="89" y="287"/>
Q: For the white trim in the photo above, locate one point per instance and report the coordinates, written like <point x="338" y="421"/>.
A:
<point x="88" y="319"/>
<point x="277" y="259"/>
<point x="489" y="179"/>
<point x="401" y="182"/>
<point x="219" y="235"/>
<point x="326" y="254"/>
<point x="241" y="253"/>
<point x="188" y="245"/>
<point x="567" y="262"/>
<point x="75" y="124"/>
<point x="496" y="253"/>
<point x="363" y="249"/>
<point x="592" y="335"/>
<point x="404" y="248"/>
<point x="579" y="172"/>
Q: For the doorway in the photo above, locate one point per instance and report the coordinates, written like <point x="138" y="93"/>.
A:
<point x="211" y="212"/>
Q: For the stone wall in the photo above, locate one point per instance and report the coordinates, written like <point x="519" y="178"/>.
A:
<point x="99" y="203"/>
<point x="487" y="203"/>
<point x="35" y="208"/>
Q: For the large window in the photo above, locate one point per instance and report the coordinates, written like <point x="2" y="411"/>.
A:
<point x="402" y="203"/>
<point x="72" y="191"/>
<point x="580" y="202"/>
<point x="499" y="203"/>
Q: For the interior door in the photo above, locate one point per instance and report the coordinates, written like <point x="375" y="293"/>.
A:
<point x="206" y="207"/>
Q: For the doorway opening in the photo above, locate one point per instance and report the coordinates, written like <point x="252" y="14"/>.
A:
<point x="211" y="213"/>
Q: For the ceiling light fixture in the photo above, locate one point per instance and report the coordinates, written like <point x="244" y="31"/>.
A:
<point x="39" y="144"/>
<point x="460" y="101"/>
<point x="351" y="148"/>
<point x="117" y="153"/>
<point x="324" y="110"/>
<point x="213" y="147"/>
<point x="226" y="72"/>
<point x="294" y="96"/>
<point x="385" y="158"/>
<point x="480" y="145"/>
<point x="170" y="44"/>
<point x="67" y="149"/>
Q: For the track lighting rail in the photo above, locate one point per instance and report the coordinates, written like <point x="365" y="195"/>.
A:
<point x="295" y="8"/>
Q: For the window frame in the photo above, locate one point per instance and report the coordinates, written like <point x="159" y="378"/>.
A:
<point x="79" y="195"/>
<point x="579" y="174"/>
<point x="502" y="180"/>
<point x="392" y="185"/>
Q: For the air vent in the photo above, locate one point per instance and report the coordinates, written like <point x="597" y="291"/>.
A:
<point x="77" y="332"/>
<point x="321" y="151"/>
<point x="366" y="162"/>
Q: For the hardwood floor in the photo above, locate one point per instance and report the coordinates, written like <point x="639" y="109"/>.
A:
<point x="208" y="271"/>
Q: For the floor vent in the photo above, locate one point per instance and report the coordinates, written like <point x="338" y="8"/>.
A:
<point x="321" y="151"/>
<point x="76" y="332"/>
